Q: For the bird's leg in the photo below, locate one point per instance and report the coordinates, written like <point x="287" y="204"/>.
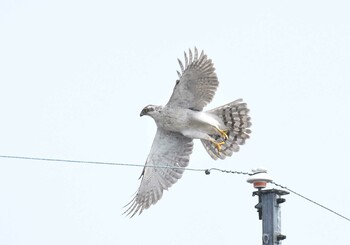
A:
<point x="223" y="133"/>
<point x="218" y="145"/>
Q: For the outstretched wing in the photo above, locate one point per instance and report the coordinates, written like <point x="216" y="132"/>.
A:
<point x="197" y="82"/>
<point x="169" y="149"/>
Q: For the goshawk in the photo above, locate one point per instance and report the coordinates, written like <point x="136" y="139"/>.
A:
<point x="181" y="120"/>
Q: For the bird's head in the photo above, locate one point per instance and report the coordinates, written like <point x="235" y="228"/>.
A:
<point x="151" y="110"/>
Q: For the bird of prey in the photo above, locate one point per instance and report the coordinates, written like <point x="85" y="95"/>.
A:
<point x="182" y="119"/>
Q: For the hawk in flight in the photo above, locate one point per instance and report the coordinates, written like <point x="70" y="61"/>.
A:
<point x="181" y="120"/>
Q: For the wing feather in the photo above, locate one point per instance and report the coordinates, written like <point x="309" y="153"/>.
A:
<point x="195" y="54"/>
<point x="179" y="74"/>
<point x="186" y="60"/>
<point x="190" y="54"/>
<point x="197" y="84"/>
<point x="181" y="65"/>
<point x="169" y="149"/>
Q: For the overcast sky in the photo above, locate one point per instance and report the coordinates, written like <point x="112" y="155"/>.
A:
<point x="74" y="76"/>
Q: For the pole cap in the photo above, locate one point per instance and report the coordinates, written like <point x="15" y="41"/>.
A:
<point x="259" y="178"/>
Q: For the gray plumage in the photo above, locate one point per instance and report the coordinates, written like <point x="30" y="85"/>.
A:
<point x="197" y="85"/>
<point x="181" y="120"/>
<point x="235" y="117"/>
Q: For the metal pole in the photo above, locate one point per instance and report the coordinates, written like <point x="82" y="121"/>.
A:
<point x="270" y="213"/>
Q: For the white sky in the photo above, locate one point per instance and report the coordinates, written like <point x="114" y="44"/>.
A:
<point x="74" y="76"/>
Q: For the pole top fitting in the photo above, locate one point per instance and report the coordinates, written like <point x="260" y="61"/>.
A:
<point x="259" y="178"/>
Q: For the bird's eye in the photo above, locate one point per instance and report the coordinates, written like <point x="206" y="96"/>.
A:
<point x="177" y="82"/>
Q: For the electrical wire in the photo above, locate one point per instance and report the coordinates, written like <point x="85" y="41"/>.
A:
<point x="98" y="162"/>
<point x="312" y="201"/>
<point x="206" y="171"/>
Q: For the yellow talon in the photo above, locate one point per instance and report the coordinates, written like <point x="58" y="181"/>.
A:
<point x="223" y="133"/>
<point x="218" y="145"/>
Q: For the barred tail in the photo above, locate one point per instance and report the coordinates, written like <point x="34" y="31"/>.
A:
<point x="235" y="117"/>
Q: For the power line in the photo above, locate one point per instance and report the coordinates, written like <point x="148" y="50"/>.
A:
<point x="312" y="201"/>
<point x="206" y="171"/>
<point x="97" y="162"/>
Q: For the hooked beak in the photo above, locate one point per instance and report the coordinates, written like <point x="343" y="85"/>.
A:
<point x="143" y="112"/>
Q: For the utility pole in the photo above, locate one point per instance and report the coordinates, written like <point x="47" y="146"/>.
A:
<point x="268" y="207"/>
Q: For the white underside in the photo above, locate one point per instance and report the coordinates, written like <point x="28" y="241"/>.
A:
<point x="202" y="125"/>
<point x="192" y="124"/>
